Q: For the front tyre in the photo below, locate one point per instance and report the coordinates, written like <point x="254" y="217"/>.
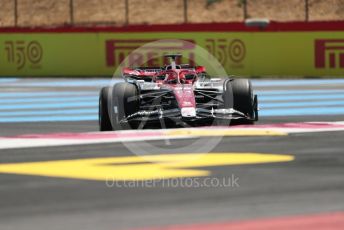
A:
<point x="124" y="103"/>
<point x="239" y="96"/>
<point x="103" y="113"/>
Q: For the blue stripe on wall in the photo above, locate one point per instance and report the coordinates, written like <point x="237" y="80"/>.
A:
<point x="296" y="82"/>
<point x="302" y="111"/>
<point x="34" y="101"/>
<point x="49" y="112"/>
<point x="72" y="105"/>
<point x="51" y="105"/>
<point x="50" y="118"/>
<point x="297" y="92"/>
<point x="319" y="104"/>
<point x="299" y="98"/>
<point x="8" y="95"/>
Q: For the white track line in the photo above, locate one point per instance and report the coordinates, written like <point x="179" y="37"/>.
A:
<point x="65" y="139"/>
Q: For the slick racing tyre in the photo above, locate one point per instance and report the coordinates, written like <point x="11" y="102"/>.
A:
<point x="103" y="113"/>
<point x="239" y="96"/>
<point x="124" y="103"/>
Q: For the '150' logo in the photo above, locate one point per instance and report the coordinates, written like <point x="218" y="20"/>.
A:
<point x="328" y="52"/>
<point x="21" y="52"/>
<point x="228" y="52"/>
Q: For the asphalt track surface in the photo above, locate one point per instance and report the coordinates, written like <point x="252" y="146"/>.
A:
<point x="311" y="183"/>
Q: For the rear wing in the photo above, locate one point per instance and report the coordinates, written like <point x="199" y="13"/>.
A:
<point x="141" y="71"/>
<point x="149" y="73"/>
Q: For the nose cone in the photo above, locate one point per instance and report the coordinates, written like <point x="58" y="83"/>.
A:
<point x="186" y="100"/>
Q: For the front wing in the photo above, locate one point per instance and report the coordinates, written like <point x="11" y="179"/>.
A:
<point x="202" y="115"/>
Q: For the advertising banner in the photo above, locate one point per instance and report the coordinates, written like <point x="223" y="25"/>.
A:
<point x="99" y="53"/>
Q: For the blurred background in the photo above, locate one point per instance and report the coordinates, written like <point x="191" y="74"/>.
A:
<point x="127" y="12"/>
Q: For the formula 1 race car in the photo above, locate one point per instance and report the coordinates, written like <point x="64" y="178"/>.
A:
<point x="181" y="95"/>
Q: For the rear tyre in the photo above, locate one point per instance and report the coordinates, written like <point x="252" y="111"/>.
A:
<point x="124" y="103"/>
<point x="103" y="113"/>
<point x="239" y="96"/>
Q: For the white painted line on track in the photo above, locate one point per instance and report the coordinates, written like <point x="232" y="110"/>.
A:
<point x="16" y="143"/>
<point x="65" y="139"/>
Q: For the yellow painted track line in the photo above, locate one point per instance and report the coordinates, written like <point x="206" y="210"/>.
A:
<point x="148" y="167"/>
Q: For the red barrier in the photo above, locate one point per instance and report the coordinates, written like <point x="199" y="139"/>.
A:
<point x="211" y="27"/>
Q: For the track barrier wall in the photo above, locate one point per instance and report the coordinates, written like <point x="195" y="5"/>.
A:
<point x="281" y="49"/>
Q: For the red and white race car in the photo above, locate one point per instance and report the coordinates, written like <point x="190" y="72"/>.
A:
<point x="177" y="95"/>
